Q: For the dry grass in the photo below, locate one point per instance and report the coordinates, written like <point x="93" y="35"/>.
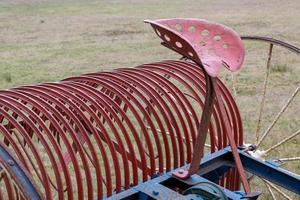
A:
<point x="47" y="40"/>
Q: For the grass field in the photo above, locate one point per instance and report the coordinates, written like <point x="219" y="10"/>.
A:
<point x="45" y="40"/>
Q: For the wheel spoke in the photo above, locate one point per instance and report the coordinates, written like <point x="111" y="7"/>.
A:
<point x="288" y="159"/>
<point x="263" y="128"/>
<point x="277" y="189"/>
<point x="283" y="141"/>
<point x="262" y="104"/>
<point x="270" y="186"/>
<point x="270" y="190"/>
<point x="278" y="116"/>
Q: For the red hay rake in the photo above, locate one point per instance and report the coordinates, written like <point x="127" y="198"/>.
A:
<point x="98" y="134"/>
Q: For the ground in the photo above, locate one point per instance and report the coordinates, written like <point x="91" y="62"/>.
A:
<point x="48" y="40"/>
<point x="43" y="41"/>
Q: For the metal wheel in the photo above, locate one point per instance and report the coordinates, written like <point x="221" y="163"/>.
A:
<point x="267" y="92"/>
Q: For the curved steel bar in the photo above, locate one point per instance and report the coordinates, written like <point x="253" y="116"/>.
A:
<point x="18" y="174"/>
<point x="99" y="133"/>
<point x="273" y="41"/>
<point x="229" y="101"/>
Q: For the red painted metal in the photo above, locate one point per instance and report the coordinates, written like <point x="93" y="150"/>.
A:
<point x="210" y="44"/>
<point x="91" y="135"/>
<point x="232" y="141"/>
<point x="94" y="134"/>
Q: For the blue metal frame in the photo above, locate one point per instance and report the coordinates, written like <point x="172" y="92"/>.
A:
<point x="18" y="174"/>
<point x="212" y="167"/>
<point x="265" y="169"/>
<point x="154" y="189"/>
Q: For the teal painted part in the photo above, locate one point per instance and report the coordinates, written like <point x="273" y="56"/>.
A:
<point x="207" y="191"/>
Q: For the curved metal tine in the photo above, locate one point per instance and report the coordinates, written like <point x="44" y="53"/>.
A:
<point x="262" y="104"/>
<point x="33" y="165"/>
<point x="36" y="171"/>
<point x="283" y="141"/>
<point x="277" y="189"/>
<point x="17" y="193"/>
<point x="18" y="177"/>
<point x="184" y="139"/>
<point x="143" y="141"/>
<point x="278" y="116"/>
<point x="270" y="190"/>
<point x="142" y="134"/>
<point x="2" y="173"/>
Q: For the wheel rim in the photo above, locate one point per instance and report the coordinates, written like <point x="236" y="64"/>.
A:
<point x="267" y="92"/>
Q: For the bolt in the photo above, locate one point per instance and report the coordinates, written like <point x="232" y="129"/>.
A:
<point x="155" y="192"/>
<point x="11" y="162"/>
<point x="252" y="147"/>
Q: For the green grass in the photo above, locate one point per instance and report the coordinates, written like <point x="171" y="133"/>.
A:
<point x="43" y="41"/>
<point x="79" y="36"/>
<point x="281" y="68"/>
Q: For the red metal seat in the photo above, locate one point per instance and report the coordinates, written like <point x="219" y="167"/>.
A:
<point x="208" y="43"/>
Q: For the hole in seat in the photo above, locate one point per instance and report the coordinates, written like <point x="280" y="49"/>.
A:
<point x="192" y="29"/>
<point x="178" y="27"/>
<point x="217" y="38"/>
<point x="202" y="43"/>
<point x="178" y="44"/>
<point x="167" y="25"/>
<point x="205" y="32"/>
<point x="167" y="37"/>
<point x="226" y="45"/>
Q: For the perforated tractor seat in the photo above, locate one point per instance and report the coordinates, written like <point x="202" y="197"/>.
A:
<point x="210" y="44"/>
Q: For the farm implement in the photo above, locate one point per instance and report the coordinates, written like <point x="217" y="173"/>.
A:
<point x="163" y="130"/>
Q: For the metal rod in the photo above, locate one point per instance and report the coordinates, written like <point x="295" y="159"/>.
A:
<point x="278" y="116"/>
<point x="273" y="41"/>
<point x="230" y="137"/>
<point x="262" y="105"/>
<point x="289" y="159"/>
<point x="283" y="141"/>
<point x="167" y="133"/>
<point x="269" y="189"/>
<point x="278" y="190"/>
<point x="91" y="124"/>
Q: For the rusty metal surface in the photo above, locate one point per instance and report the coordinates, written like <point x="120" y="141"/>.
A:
<point x="94" y="134"/>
